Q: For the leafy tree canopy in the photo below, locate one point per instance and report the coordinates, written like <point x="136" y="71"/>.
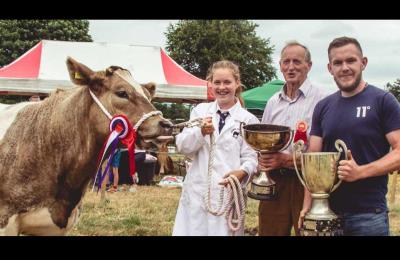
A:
<point x="18" y="36"/>
<point x="174" y="111"/>
<point x="394" y="88"/>
<point x="196" y="44"/>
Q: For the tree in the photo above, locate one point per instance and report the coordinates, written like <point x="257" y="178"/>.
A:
<point x="196" y="44"/>
<point x="174" y="111"/>
<point x="394" y="88"/>
<point x="13" y="99"/>
<point x="18" y="36"/>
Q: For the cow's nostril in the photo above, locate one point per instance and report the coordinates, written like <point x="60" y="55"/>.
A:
<point x="166" y="124"/>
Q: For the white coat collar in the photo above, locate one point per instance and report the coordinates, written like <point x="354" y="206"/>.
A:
<point x="234" y="111"/>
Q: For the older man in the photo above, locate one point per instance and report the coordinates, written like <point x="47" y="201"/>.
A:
<point x="289" y="107"/>
<point x="367" y="119"/>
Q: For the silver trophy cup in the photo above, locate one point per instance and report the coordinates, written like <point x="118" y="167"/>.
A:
<point x="265" y="138"/>
<point x="319" y="176"/>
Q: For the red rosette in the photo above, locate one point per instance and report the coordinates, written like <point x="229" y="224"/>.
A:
<point x="301" y="131"/>
<point x="127" y="137"/>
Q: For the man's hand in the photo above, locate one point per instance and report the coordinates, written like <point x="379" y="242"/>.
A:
<point x="272" y="161"/>
<point x="307" y="202"/>
<point x="240" y="174"/>
<point x="301" y="217"/>
<point x="207" y="127"/>
<point x="349" y="170"/>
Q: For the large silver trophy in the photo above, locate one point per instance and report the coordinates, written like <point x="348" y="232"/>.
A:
<point x="319" y="176"/>
<point x="265" y="138"/>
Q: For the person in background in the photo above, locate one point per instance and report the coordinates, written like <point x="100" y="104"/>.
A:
<point x="115" y="170"/>
<point x="34" y="98"/>
<point x="140" y="158"/>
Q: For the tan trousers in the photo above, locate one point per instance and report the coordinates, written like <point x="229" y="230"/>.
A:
<point x="277" y="217"/>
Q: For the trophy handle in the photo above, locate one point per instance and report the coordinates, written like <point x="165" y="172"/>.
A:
<point x="290" y="140"/>
<point x="341" y="147"/>
<point x="241" y="129"/>
<point x="297" y="148"/>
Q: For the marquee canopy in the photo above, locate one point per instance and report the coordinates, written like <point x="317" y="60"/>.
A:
<point x="42" y="69"/>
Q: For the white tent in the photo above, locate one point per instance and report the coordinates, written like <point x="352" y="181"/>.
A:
<point x="42" y="69"/>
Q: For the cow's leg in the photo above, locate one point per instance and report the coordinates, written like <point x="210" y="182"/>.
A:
<point x="39" y="222"/>
<point x="12" y="227"/>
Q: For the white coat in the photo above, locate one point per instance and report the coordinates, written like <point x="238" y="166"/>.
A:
<point x="231" y="153"/>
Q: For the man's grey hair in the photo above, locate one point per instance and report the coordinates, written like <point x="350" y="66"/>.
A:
<point x="296" y="43"/>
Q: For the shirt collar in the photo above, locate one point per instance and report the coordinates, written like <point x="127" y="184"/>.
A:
<point x="304" y="89"/>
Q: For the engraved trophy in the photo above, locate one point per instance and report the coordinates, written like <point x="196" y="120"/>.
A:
<point x="265" y="138"/>
<point x="319" y="176"/>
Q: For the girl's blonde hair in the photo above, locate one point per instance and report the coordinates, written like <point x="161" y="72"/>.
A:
<point x="226" y="64"/>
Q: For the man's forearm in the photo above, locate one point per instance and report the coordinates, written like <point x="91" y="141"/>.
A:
<point x="287" y="161"/>
<point x="385" y="165"/>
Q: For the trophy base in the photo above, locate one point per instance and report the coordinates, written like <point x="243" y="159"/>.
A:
<point x="313" y="227"/>
<point x="258" y="192"/>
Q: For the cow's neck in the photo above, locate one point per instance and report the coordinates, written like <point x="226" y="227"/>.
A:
<point x="80" y="139"/>
<point x="67" y="140"/>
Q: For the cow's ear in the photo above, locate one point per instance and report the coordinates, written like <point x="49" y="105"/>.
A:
<point x="151" y="88"/>
<point x="79" y="73"/>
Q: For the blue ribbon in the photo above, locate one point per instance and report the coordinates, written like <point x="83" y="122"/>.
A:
<point x="110" y="158"/>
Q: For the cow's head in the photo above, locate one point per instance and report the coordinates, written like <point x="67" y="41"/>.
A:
<point x="120" y="94"/>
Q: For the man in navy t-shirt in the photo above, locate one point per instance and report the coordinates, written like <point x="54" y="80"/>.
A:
<point x="367" y="119"/>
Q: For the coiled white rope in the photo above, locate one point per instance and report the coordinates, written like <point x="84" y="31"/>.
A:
<point x="234" y="206"/>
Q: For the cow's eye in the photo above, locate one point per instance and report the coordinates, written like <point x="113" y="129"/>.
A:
<point x="122" y="94"/>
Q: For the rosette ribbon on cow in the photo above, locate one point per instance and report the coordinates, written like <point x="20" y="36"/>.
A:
<point x="120" y="131"/>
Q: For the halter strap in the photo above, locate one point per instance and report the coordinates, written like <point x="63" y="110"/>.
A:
<point x="100" y="105"/>
<point x="146" y="116"/>
<point x="137" y="125"/>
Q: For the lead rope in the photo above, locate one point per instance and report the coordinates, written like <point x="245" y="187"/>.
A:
<point x="235" y="204"/>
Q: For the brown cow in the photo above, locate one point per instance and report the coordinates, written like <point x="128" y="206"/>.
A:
<point x="49" y="149"/>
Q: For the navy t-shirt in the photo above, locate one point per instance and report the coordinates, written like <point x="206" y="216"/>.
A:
<point x="361" y="121"/>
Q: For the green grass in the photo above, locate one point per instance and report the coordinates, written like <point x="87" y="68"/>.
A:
<point x="395" y="210"/>
<point x="394" y="207"/>
<point x="150" y="211"/>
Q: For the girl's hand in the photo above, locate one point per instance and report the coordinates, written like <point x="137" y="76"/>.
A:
<point x="207" y="127"/>
<point x="240" y="174"/>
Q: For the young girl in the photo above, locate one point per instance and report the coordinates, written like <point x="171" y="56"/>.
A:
<point x="232" y="156"/>
<point x="115" y="170"/>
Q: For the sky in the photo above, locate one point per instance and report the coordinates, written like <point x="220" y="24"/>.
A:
<point x="379" y="39"/>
